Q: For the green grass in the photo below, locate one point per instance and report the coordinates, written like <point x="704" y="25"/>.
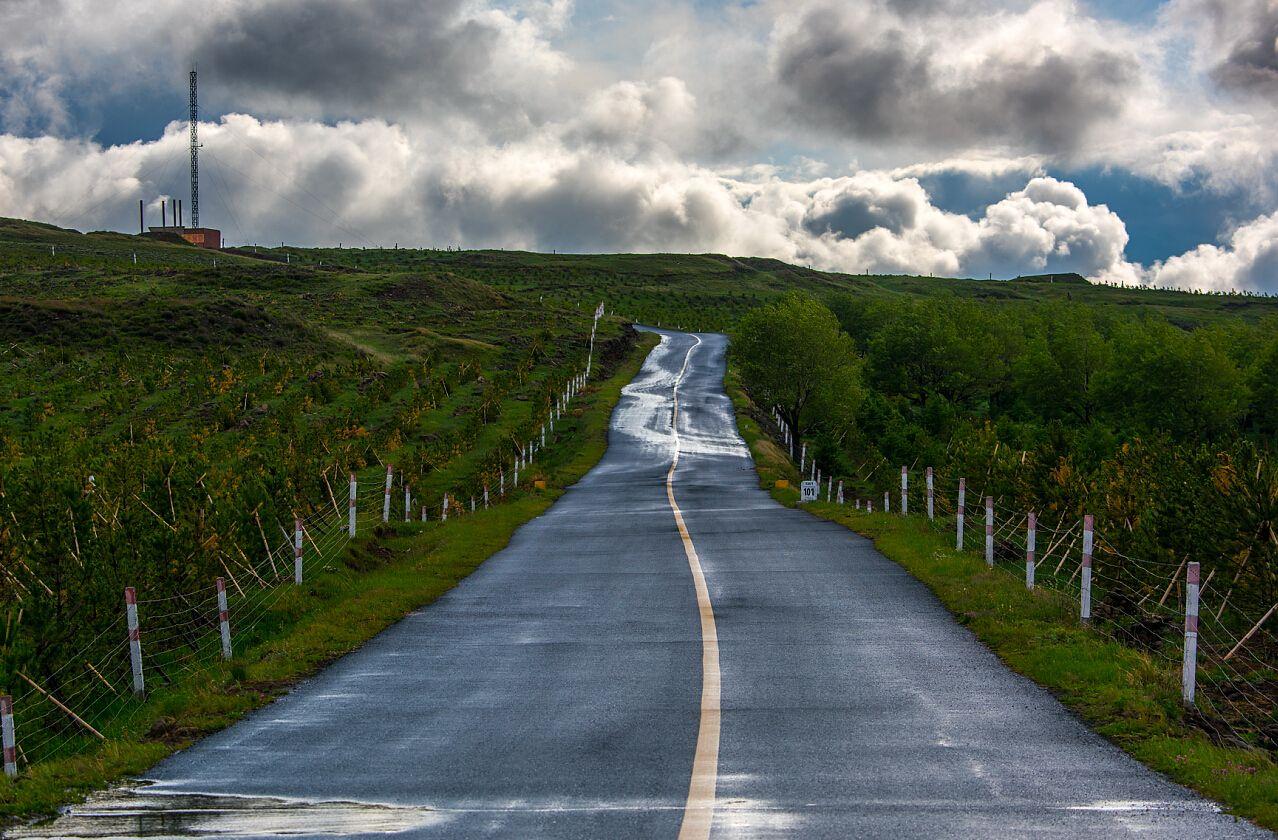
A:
<point x="1122" y="693"/>
<point x="329" y="617"/>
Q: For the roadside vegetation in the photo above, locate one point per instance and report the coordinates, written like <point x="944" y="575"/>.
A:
<point x="165" y="412"/>
<point x="1165" y="434"/>
<point x="163" y="421"/>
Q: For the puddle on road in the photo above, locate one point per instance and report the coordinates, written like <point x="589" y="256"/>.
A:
<point x="134" y="812"/>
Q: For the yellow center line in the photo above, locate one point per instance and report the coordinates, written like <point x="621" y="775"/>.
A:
<point x="698" y="812"/>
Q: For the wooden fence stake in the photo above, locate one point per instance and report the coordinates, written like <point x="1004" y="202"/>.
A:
<point x="7" y="737"/>
<point x="962" y="499"/>
<point x="931" y="509"/>
<point x="223" y="619"/>
<point x="390" y="472"/>
<point x="350" y="524"/>
<point x="55" y="701"/>
<point x="297" y="549"/>
<point x="1030" y="535"/>
<point x="1085" y="590"/>
<point x="135" y="639"/>
<point x="1250" y="633"/>
<point x="989" y="531"/>
<point x="1189" y="667"/>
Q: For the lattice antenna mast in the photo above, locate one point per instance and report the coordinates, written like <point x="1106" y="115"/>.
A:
<point x="195" y="156"/>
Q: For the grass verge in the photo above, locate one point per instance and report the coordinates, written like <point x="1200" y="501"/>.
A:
<point x="1120" y="692"/>
<point x="407" y="566"/>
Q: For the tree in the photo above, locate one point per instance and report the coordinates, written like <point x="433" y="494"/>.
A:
<point x="793" y="354"/>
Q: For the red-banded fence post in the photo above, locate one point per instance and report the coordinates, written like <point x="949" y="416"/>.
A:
<point x="135" y="639"/>
<point x="962" y="506"/>
<point x="989" y="531"/>
<point x="350" y="521"/>
<point x="931" y="507"/>
<point x="1030" y="534"/>
<point x="905" y="491"/>
<point x="390" y="475"/>
<point x="7" y="737"/>
<point x="297" y="550"/>
<point x="1085" y="589"/>
<point x="1189" y="668"/>
<point x="223" y="619"/>
<point x="408" y="501"/>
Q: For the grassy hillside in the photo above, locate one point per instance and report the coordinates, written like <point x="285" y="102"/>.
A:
<point x="163" y="421"/>
<point x="166" y="412"/>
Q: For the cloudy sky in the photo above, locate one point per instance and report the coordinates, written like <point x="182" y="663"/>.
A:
<point x="1129" y="140"/>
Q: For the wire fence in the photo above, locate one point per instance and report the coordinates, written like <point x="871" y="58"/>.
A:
<point x="1168" y="610"/>
<point x="98" y="692"/>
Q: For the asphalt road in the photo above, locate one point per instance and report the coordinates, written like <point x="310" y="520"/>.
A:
<point x="568" y="687"/>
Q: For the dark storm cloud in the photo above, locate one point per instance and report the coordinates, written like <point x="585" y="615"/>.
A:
<point x="352" y="58"/>
<point x="1252" y="63"/>
<point x="882" y="84"/>
<point x="853" y="215"/>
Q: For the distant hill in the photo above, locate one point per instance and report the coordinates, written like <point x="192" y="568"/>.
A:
<point x="697" y="291"/>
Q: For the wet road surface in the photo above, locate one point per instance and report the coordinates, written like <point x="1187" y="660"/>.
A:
<point x="567" y="688"/>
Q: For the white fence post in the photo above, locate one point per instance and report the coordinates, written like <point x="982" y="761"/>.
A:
<point x="1189" y="669"/>
<point x="443" y="512"/>
<point x="931" y="509"/>
<point x="135" y="639"/>
<point x="905" y="491"/>
<point x="989" y="531"/>
<point x="887" y="497"/>
<point x="501" y="484"/>
<point x="297" y="550"/>
<point x="803" y="459"/>
<point x="423" y="513"/>
<point x="1030" y="534"/>
<point x="840" y="497"/>
<point x="472" y="504"/>
<point x="485" y="497"/>
<point x="7" y="737"/>
<point x="962" y="502"/>
<point x="223" y="619"/>
<point x="1085" y="592"/>
<point x="408" y="501"/>
<point x="350" y="523"/>
<point x="390" y="474"/>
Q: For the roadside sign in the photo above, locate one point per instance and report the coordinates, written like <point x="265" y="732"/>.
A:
<point x="808" y="491"/>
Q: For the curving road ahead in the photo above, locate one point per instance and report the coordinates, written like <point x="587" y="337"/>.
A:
<point x="666" y="653"/>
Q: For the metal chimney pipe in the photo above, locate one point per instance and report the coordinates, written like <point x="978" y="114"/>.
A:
<point x="141" y="217"/>
<point x="164" y="212"/>
<point x="179" y="223"/>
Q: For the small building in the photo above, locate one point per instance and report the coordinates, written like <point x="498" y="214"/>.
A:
<point x="199" y="237"/>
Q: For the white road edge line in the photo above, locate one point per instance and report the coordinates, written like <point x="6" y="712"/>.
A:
<point x="698" y="812"/>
